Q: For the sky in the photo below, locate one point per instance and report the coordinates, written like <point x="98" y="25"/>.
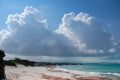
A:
<point x="61" y="30"/>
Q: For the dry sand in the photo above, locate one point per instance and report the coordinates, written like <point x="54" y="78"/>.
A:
<point x="47" y="73"/>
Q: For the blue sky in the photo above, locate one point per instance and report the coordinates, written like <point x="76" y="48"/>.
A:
<point x="105" y="12"/>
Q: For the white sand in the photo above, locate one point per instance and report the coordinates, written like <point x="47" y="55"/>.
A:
<point x="44" y="73"/>
<point x="32" y="73"/>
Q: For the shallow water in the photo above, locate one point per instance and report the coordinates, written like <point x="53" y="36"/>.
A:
<point x="107" y="70"/>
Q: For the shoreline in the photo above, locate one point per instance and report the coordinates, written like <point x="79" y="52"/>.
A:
<point x="48" y="73"/>
<point x="113" y="76"/>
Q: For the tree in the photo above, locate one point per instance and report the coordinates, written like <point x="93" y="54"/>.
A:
<point x="2" y="65"/>
<point x="2" y="53"/>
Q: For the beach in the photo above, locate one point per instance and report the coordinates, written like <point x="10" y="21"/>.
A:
<point x="48" y="73"/>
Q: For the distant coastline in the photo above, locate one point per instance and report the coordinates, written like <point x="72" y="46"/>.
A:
<point x="34" y="63"/>
<point x="25" y="62"/>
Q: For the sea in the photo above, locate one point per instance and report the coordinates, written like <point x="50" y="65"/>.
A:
<point x="111" y="70"/>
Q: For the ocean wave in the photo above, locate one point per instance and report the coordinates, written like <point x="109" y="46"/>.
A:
<point x="114" y="74"/>
<point x="90" y="73"/>
<point x="84" y="73"/>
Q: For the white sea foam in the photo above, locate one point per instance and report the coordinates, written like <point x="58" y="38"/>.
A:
<point x="114" y="74"/>
<point x="86" y="74"/>
<point x="83" y="73"/>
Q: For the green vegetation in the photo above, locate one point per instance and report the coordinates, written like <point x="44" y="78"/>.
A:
<point x="10" y="63"/>
<point x="25" y="62"/>
<point x="50" y="63"/>
<point x="2" y="53"/>
<point x="19" y="61"/>
<point x="32" y="63"/>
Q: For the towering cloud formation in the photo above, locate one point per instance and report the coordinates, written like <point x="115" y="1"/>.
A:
<point x="78" y="35"/>
<point x="28" y="34"/>
<point x="86" y="34"/>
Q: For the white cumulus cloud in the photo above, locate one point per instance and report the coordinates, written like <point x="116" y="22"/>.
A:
<point x="85" y="33"/>
<point x="28" y="34"/>
<point x="78" y="35"/>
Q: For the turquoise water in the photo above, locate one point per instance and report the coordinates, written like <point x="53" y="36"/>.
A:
<point x="103" y="69"/>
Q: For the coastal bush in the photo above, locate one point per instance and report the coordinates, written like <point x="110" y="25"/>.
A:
<point x="10" y="63"/>
<point x="19" y="61"/>
<point x="24" y="62"/>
